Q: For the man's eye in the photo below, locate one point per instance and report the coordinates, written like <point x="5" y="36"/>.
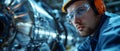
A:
<point x="81" y="10"/>
<point x="78" y="12"/>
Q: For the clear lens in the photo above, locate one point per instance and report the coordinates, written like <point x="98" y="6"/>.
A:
<point x="78" y="12"/>
<point x="81" y="10"/>
<point x="69" y="16"/>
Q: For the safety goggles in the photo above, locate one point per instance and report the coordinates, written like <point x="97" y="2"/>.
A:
<point x="78" y="12"/>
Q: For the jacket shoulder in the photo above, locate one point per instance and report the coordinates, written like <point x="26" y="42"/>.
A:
<point x="109" y="39"/>
<point x="113" y="19"/>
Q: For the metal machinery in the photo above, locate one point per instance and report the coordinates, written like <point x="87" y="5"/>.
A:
<point x="26" y="25"/>
<point x="113" y="6"/>
<point x="16" y="24"/>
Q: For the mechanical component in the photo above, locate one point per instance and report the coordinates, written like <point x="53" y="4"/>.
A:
<point x="15" y="17"/>
<point x="7" y="29"/>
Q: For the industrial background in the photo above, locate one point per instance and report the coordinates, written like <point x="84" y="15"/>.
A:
<point x="39" y="25"/>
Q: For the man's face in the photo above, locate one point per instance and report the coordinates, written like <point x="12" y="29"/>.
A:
<point x="83" y="17"/>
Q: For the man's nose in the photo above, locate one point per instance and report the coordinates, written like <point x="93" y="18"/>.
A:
<point x="77" y="20"/>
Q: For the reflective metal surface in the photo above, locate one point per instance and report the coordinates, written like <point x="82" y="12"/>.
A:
<point x="26" y="25"/>
<point x="15" y="18"/>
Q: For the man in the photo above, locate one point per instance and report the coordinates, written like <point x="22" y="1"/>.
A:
<point x="89" y="18"/>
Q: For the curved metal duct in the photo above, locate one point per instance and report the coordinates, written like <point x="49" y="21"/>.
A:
<point x="15" y="17"/>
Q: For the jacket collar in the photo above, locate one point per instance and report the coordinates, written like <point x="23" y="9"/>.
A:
<point x="94" y="39"/>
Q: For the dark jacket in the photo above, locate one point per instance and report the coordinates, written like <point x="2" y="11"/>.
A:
<point x="106" y="37"/>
